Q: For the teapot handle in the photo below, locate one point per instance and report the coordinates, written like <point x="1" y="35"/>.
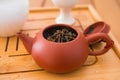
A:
<point x="104" y="37"/>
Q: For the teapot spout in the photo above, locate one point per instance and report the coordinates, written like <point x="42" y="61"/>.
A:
<point x="27" y="41"/>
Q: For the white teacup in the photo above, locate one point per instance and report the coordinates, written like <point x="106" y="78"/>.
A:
<point x="65" y="7"/>
<point x="13" y="14"/>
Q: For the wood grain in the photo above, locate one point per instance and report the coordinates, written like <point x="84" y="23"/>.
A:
<point x="21" y="66"/>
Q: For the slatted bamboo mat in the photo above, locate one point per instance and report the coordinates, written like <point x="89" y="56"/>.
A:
<point x="17" y="64"/>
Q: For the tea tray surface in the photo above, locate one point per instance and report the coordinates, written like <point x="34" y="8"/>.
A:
<point x="17" y="64"/>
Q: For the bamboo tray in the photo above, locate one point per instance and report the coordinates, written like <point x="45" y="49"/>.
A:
<point x="17" y="64"/>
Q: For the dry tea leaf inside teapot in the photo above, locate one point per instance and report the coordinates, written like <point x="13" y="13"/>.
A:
<point x="60" y="34"/>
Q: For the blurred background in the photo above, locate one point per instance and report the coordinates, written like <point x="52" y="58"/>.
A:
<point x="109" y="11"/>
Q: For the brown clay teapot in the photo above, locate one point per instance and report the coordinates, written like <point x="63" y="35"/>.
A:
<point x="62" y="57"/>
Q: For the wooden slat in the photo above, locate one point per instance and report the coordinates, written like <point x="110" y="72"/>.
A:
<point x="20" y="67"/>
<point x="21" y="49"/>
<point x="15" y="64"/>
<point x="11" y="47"/>
<point x="2" y="44"/>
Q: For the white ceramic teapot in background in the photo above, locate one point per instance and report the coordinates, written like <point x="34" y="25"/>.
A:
<point x="65" y="6"/>
<point x="13" y="14"/>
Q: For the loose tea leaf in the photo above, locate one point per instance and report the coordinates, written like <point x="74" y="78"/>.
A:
<point x="60" y="34"/>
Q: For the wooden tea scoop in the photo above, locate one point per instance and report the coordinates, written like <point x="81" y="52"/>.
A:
<point x="98" y="27"/>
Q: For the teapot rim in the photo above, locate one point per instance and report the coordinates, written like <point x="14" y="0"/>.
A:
<point x="66" y="25"/>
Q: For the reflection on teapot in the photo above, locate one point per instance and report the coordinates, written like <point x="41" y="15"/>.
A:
<point x="61" y="48"/>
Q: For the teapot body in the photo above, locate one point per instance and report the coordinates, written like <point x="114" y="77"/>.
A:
<point x="60" y="57"/>
<point x="13" y="15"/>
<point x="64" y="55"/>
